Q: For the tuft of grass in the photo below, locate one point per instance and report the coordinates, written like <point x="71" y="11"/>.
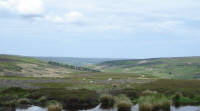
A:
<point x="54" y="106"/>
<point x="154" y="102"/>
<point x="179" y="100"/>
<point x="124" y="106"/>
<point x="107" y="101"/>
<point x="23" y="101"/>
<point x="123" y="103"/>
<point x="148" y="92"/>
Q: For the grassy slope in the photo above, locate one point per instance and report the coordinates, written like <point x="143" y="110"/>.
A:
<point x="183" y="67"/>
<point x="25" y="66"/>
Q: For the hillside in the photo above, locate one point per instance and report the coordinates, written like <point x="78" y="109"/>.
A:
<point x="11" y="65"/>
<point x="75" y="61"/>
<point x="179" y="67"/>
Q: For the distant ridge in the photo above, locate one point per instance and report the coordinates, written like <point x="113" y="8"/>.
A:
<point x="76" y="60"/>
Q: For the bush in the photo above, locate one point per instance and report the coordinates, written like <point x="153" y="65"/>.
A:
<point x="107" y="101"/>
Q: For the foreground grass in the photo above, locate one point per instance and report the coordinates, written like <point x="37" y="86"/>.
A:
<point x="70" y="90"/>
<point x="154" y="102"/>
<point x="69" y="99"/>
<point x="123" y="103"/>
<point x="54" y="106"/>
<point x="107" y="101"/>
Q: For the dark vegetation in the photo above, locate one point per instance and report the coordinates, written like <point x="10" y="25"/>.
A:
<point x="155" y="95"/>
<point x="69" y="99"/>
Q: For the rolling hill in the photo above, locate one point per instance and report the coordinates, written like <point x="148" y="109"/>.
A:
<point x="11" y="65"/>
<point x="75" y="61"/>
<point x="178" y="67"/>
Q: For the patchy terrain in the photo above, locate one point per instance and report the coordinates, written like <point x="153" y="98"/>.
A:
<point x="178" y="67"/>
<point x="29" y="67"/>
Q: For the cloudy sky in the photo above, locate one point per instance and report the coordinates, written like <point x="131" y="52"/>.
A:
<point x="100" y="28"/>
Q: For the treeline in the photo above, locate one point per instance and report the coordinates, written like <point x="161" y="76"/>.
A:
<point x="73" y="67"/>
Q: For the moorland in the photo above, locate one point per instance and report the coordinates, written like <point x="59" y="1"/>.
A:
<point x="156" y="83"/>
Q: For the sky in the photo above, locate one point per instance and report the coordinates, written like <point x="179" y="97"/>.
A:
<point x="100" y="28"/>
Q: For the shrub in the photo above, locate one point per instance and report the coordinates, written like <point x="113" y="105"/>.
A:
<point x="107" y="101"/>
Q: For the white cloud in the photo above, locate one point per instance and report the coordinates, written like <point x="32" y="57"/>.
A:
<point x="129" y="16"/>
<point x="56" y="19"/>
<point x="59" y="19"/>
<point x="70" y="17"/>
<point x="23" y="7"/>
<point x="74" y="16"/>
<point x="161" y="26"/>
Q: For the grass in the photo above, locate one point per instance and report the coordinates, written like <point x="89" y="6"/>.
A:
<point x="123" y="103"/>
<point x="188" y="88"/>
<point x="180" y="100"/>
<point x="23" y="101"/>
<point x="107" y="101"/>
<point x="148" y="92"/>
<point x="54" y="106"/>
<point x="70" y="99"/>
<point x="154" y="102"/>
<point x="9" y="66"/>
